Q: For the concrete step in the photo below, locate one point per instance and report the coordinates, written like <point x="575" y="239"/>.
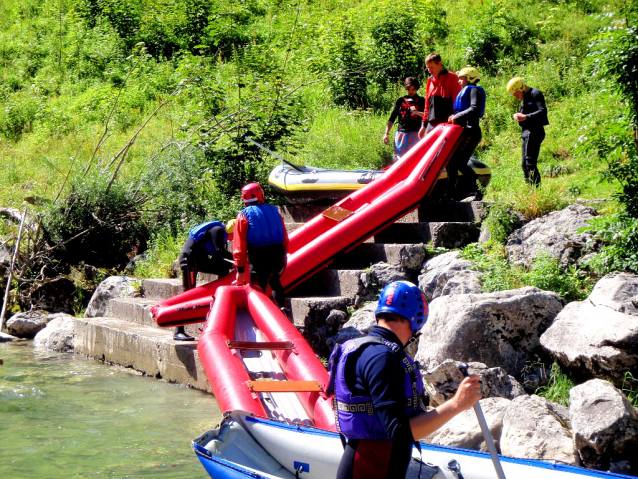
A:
<point x="143" y="348"/>
<point x="367" y="254"/>
<point x="161" y="289"/>
<point x="137" y="310"/>
<point x="439" y="211"/>
<point x="330" y="282"/>
<point x="440" y="234"/>
<point x="304" y="310"/>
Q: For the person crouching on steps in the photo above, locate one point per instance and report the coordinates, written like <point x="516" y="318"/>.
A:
<point x="204" y="251"/>
<point x="260" y="239"/>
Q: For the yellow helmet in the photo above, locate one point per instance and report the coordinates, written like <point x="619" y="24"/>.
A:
<point x="230" y="226"/>
<point x="471" y="73"/>
<point x="515" y="84"/>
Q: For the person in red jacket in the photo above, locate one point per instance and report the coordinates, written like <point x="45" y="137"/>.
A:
<point x="260" y="238"/>
<point x="440" y="93"/>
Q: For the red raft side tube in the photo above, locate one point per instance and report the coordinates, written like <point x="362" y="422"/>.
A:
<point x="312" y="246"/>
<point x="225" y="368"/>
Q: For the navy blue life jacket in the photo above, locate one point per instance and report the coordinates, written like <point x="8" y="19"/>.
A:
<point x="199" y="231"/>
<point x="355" y="416"/>
<point x="464" y="100"/>
<point x="264" y="225"/>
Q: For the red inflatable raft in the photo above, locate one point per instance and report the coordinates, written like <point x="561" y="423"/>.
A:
<point x="257" y="361"/>
<point x="342" y="226"/>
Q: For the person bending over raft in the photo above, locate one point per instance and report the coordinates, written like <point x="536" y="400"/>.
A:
<point x="469" y="108"/>
<point x="204" y="251"/>
<point x="261" y="239"/>
<point x="378" y="390"/>
<point x="409" y="109"/>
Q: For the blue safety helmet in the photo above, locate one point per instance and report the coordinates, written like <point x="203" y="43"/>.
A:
<point x="405" y="299"/>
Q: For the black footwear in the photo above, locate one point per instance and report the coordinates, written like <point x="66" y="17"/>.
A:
<point x="183" y="337"/>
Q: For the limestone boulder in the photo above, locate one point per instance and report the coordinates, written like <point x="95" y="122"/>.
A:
<point x="557" y="233"/>
<point x="359" y="324"/>
<point x="604" y="425"/>
<point x="111" y="288"/>
<point x="499" y="329"/>
<point x="448" y="274"/>
<point x="319" y="318"/>
<point x="464" y="429"/>
<point x="442" y="382"/>
<point x="533" y="429"/>
<point x="376" y="278"/>
<point x="27" y="325"/>
<point x="58" y="334"/>
<point x="412" y="256"/>
<point x="598" y="337"/>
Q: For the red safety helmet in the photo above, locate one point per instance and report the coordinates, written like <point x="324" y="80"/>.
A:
<point x="252" y="193"/>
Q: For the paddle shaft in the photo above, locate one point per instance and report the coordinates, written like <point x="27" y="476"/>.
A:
<point x="486" y="431"/>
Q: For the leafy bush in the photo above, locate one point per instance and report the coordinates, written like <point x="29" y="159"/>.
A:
<point x="348" y="82"/>
<point x="572" y="284"/>
<point x="496" y="39"/>
<point x="496" y="272"/>
<point x="397" y="53"/>
<point x="619" y="234"/>
<point x="164" y="249"/>
<point x="97" y="224"/>
<point x="500" y="222"/>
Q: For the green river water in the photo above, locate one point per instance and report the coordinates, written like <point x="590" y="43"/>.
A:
<point x="65" y="416"/>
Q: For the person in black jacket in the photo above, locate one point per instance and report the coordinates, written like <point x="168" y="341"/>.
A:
<point x="469" y="108"/>
<point x="409" y="110"/>
<point x="532" y="118"/>
<point x="204" y="251"/>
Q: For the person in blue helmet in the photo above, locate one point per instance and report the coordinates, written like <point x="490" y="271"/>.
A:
<point x="204" y="251"/>
<point x="469" y="108"/>
<point x="378" y="390"/>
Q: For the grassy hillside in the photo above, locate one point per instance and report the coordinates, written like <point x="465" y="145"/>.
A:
<point x="136" y="109"/>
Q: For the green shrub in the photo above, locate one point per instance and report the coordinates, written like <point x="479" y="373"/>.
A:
<point x="546" y="273"/>
<point x="499" y="222"/>
<point x="164" y="249"/>
<point x="557" y="391"/>
<point x="396" y="51"/>
<point x="619" y="234"/>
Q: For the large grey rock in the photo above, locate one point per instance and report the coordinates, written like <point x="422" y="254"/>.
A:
<point x="58" y="334"/>
<point x="617" y="291"/>
<point x="27" y="325"/>
<point x="377" y="277"/>
<point x="598" y="337"/>
<point x="556" y="233"/>
<point x="447" y="274"/>
<point x="111" y="287"/>
<point x="359" y="324"/>
<point x="464" y="430"/>
<point x="498" y="329"/>
<point x="319" y="318"/>
<point x="536" y="428"/>
<point x="412" y="256"/>
<point x="532" y="429"/>
<point x="604" y="425"/>
<point x="442" y="382"/>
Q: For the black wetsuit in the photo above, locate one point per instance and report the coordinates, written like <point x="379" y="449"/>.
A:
<point x="195" y="257"/>
<point x="533" y="134"/>
<point x="469" y="120"/>
<point x="379" y="373"/>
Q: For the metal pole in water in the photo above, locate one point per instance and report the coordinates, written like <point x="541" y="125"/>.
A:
<point x="486" y="431"/>
<point x="10" y="277"/>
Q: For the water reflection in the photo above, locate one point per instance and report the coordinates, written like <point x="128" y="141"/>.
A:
<point x="64" y="416"/>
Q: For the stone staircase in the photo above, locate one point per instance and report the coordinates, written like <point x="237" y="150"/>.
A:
<point x="129" y="337"/>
